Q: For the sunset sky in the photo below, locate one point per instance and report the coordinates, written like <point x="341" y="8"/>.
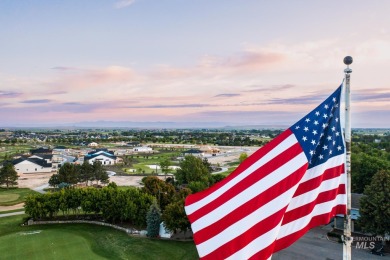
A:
<point x="234" y="62"/>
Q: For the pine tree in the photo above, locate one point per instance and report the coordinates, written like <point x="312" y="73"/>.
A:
<point x="8" y="175"/>
<point x="153" y="220"/>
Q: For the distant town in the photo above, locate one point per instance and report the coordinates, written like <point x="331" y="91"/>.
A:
<point x="136" y="181"/>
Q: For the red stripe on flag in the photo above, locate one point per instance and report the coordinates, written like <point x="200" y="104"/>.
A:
<point x="249" y="207"/>
<point x="254" y="177"/>
<point x="305" y="210"/>
<point x="245" y="238"/>
<point x="315" y="182"/>
<point x="242" y="167"/>
<point x="315" y="221"/>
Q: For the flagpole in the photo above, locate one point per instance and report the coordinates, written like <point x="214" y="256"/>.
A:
<point x="347" y="238"/>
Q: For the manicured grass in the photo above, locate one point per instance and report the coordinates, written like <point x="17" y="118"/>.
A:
<point x="144" y="168"/>
<point x="13" y="196"/>
<point x="229" y="171"/>
<point x="82" y="241"/>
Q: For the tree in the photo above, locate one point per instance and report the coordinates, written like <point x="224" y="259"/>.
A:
<point x="153" y="220"/>
<point x="8" y="175"/>
<point x="375" y="206"/>
<point x="162" y="191"/>
<point x="86" y="172"/>
<point x="165" y="166"/>
<point x="242" y="157"/>
<point x="99" y="173"/>
<point x="193" y="169"/>
<point x="68" y="173"/>
<point x="174" y="216"/>
<point x="54" y="180"/>
<point x="363" y="169"/>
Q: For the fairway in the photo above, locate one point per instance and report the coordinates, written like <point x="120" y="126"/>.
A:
<point x="83" y="241"/>
<point x="13" y="196"/>
<point x="45" y="244"/>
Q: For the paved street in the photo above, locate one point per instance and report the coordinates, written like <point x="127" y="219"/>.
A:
<point x="314" y="245"/>
<point x="11" y="214"/>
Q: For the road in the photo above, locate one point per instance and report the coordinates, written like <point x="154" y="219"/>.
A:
<point x="11" y="214"/>
<point x="315" y="246"/>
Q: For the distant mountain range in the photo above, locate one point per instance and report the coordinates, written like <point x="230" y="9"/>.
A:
<point x="158" y="125"/>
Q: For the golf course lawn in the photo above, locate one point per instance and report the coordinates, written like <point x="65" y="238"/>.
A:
<point x="83" y="241"/>
<point x="13" y="196"/>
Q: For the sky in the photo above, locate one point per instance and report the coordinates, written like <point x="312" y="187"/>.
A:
<point x="227" y="62"/>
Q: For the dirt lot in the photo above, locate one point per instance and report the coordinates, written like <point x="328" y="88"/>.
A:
<point x="36" y="180"/>
<point x="33" y="180"/>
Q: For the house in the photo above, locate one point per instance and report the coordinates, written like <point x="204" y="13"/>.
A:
<point x="103" y="155"/>
<point x="133" y="144"/>
<point x="60" y="159"/>
<point x="355" y="214"/>
<point x="32" y="165"/>
<point x="60" y="149"/>
<point x="142" y="149"/>
<point x="194" y="152"/>
<point x="93" y="144"/>
<point x="47" y="157"/>
<point x="41" y="150"/>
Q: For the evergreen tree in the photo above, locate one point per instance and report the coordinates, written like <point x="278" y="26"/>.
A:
<point x="8" y="175"/>
<point x="153" y="220"/>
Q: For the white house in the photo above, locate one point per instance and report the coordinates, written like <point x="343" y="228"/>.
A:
<point x="142" y="149"/>
<point x="103" y="155"/>
<point x="93" y="144"/>
<point x="47" y="157"/>
<point x="32" y="165"/>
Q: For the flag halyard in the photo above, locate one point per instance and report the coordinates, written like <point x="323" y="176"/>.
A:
<point x="295" y="182"/>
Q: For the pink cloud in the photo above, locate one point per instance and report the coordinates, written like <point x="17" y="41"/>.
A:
<point x="254" y="60"/>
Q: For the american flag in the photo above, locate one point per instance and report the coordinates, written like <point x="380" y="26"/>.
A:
<point x="295" y="182"/>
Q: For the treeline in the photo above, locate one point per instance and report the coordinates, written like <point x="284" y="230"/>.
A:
<point x="128" y="205"/>
<point x="109" y="203"/>
<point x="367" y="159"/>
<point x="71" y="174"/>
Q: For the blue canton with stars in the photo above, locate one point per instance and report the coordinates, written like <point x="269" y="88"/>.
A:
<point x="319" y="132"/>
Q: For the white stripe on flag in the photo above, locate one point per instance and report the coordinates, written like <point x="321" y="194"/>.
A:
<point x="256" y="245"/>
<point x="319" y="209"/>
<point x="319" y="169"/>
<point x="284" y="145"/>
<point x="270" y="180"/>
<point x="246" y="223"/>
<point x="310" y="196"/>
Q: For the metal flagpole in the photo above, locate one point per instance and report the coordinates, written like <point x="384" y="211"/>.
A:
<point x="347" y="238"/>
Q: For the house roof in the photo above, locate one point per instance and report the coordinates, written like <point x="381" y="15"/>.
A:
<point x="355" y="200"/>
<point x="40" y="150"/>
<point x="101" y="150"/>
<point x="90" y="156"/>
<point x="193" y="151"/>
<point x="44" y="156"/>
<point x="60" y="147"/>
<point x="40" y="162"/>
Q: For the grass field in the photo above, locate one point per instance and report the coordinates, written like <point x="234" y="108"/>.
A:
<point x="13" y="196"/>
<point x="82" y="241"/>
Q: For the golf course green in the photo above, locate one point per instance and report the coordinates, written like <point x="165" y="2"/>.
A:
<point x="83" y="241"/>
